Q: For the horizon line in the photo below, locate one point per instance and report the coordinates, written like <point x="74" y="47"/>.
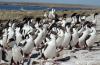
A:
<point x="52" y="3"/>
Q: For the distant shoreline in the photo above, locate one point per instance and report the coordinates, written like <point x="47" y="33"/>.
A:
<point x="17" y="14"/>
<point x="48" y="5"/>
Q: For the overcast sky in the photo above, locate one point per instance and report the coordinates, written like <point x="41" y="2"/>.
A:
<point x="86" y="2"/>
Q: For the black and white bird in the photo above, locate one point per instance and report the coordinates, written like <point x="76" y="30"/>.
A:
<point x="60" y="37"/>
<point x="17" y="55"/>
<point x="67" y="36"/>
<point x="50" y="47"/>
<point x="29" y="45"/>
<point x="94" y="18"/>
<point x="5" y="37"/>
<point x="91" y="39"/>
<point x="75" y="38"/>
<point x="10" y="33"/>
<point x="82" y="39"/>
<point x="18" y="35"/>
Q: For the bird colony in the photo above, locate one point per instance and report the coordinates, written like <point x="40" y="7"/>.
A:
<point x="49" y="40"/>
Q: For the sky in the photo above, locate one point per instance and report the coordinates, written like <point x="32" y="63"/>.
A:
<point x="86" y="2"/>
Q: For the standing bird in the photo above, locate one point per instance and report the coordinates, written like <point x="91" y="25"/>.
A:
<point x="29" y="45"/>
<point x="91" y="39"/>
<point x="82" y="39"/>
<point x="67" y="36"/>
<point x="60" y="38"/>
<point x="10" y="33"/>
<point x="4" y="40"/>
<point x="18" y="35"/>
<point x="50" y="49"/>
<point x="41" y="36"/>
<point x="17" y="55"/>
<point x="95" y="18"/>
<point x="75" y="37"/>
<point x="27" y="28"/>
<point x="74" y="19"/>
<point x="51" y="14"/>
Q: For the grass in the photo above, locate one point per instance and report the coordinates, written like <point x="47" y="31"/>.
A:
<point x="5" y="15"/>
<point x="17" y="14"/>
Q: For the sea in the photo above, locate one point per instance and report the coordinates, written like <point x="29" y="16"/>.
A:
<point x="27" y="7"/>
